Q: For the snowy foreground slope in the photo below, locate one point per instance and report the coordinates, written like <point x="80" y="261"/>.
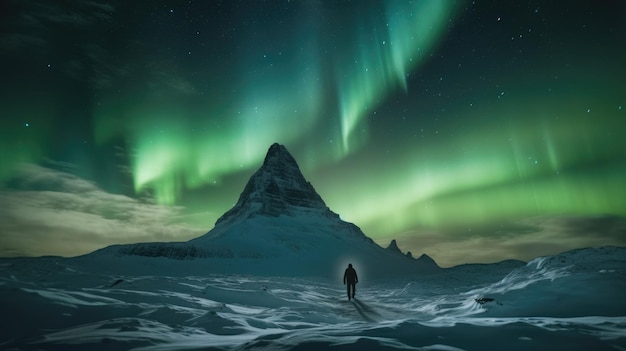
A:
<point x="571" y="301"/>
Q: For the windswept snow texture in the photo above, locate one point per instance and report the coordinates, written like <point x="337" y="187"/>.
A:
<point x="572" y="301"/>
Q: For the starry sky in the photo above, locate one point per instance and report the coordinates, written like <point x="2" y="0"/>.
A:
<point x="473" y="131"/>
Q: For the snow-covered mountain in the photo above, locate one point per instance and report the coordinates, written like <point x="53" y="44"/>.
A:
<point x="280" y="226"/>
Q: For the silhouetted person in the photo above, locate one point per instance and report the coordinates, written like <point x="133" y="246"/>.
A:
<point x="351" y="278"/>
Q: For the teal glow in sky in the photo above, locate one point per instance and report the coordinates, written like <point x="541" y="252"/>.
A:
<point x="387" y="51"/>
<point x="448" y="125"/>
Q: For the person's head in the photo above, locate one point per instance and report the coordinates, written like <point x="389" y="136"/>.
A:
<point x="349" y="265"/>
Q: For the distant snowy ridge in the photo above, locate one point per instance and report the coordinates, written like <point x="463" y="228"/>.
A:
<point x="551" y="268"/>
<point x="589" y="278"/>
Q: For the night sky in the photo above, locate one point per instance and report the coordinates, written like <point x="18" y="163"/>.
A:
<point x="473" y="131"/>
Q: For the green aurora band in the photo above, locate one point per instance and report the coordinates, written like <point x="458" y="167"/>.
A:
<point x="492" y="177"/>
<point x="400" y="44"/>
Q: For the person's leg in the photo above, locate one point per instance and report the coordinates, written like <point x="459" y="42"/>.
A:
<point x="353" y="289"/>
<point x="348" y="288"/>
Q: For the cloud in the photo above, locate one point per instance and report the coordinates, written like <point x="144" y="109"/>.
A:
<point x="74" y="38"/>
<point x="35" y="21"/>
<point x="82" y="40"/>
<point x="41" y="14"/>
<point x="523" y="240"/>
<point x="51" y="212"/>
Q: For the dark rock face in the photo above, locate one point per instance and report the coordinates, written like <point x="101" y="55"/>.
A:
<point x="278" y="187"/>
<point x="177" y="251"/>
<point x="484" y="300"/>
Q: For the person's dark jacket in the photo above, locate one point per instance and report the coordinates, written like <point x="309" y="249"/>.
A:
<point x="350" y="276"/>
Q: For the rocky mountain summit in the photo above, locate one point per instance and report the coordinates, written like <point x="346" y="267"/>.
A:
<point x="277" y="188"/>
<point x="393" y="247"/>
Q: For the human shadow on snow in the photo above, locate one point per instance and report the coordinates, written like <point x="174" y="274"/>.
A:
<point x="365" y="311"/>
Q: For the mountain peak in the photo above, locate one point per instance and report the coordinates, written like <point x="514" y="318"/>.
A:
<point x="278" y="187"/>
<point x="278" y="153"/>
<point x="393" y="246"/>
<point x="425" y="259"/>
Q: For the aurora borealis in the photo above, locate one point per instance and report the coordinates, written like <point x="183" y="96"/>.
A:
<point x="474" y="131"/>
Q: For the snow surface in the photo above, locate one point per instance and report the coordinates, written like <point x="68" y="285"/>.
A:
<point x="571" y="301"/>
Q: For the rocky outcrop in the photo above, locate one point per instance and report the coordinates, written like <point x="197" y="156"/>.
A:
<point x="177" y="251"/>
<point x="393" y="247"/>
